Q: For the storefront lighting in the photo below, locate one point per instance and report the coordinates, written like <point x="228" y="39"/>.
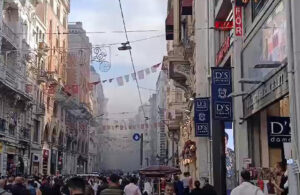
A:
<point x="191" y="99"/>
<point x="187" y="111"/>
<point x="249" y="81"/>
<point x="273" y="64"/>
<point x="237" y="94"/>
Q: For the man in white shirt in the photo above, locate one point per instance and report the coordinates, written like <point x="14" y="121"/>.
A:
<point x="246" y="188"/>
<point x="132" y="188"/>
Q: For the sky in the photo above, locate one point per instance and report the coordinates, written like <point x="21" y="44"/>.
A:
<point x="105" y="15"/>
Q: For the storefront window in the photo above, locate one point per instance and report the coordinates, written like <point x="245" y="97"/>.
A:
<point x="257" y="6"/>
<point x="267" y="45"/>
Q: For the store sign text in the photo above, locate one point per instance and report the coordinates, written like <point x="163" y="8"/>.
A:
<point x="279" y="131"/>
<point x="221" y="88"/>
<point x="273" y="88"/>
<point x="238" y="15"/>
<point x="202" y="117"/>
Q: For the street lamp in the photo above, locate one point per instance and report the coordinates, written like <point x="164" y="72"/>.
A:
<point x="249" y="81"/>
<point x="125" y="46"/>
<point x="269" y="64"/>
<point x="237" y="94"/>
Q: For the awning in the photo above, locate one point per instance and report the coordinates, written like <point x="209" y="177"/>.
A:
<point x="187" y="7"/>
<point x="170" y="25"/>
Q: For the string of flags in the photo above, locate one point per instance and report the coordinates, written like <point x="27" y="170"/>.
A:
<point x="74" y="88"/>
<point x="131" y="127"/>
<point x="140" y="75"/>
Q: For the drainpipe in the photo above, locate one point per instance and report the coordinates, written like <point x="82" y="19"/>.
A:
<point x="293" y="179"/>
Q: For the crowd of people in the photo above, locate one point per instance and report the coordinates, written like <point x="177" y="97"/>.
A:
<point x="123" y="185"/>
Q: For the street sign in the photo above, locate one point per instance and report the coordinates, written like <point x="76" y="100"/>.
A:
<point x="221" y="87"/>
<point x="136" y="137"/>
<point x="202" y="117"/>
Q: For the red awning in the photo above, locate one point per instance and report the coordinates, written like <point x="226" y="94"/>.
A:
<point x="187" y="7"/>
<point x="170" y="18"/>
<point x="170" y="25"/>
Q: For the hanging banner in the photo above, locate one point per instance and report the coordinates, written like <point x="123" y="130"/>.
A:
<point x="279" y="131"/>
<point x="221" y="87"/>
<point x="202" y="117"/>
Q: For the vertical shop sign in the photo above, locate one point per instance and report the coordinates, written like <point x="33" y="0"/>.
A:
<point x="202" y="117"/>
<point x="221" y="88"/>
<point x="238" y="16"/>
<point x="279" y="131"/>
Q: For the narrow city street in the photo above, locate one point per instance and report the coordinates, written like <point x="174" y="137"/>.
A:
<point x="149" y="97"/>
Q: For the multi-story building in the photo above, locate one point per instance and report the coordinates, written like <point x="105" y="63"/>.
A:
<point x="99" y="105"/>
<point x="22" y="107"/>
<point x="256" y="38"/>
<point x="161" y="105"/>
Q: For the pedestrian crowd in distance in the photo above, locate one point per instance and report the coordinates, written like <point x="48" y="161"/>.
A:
<point x="116" y="185"/>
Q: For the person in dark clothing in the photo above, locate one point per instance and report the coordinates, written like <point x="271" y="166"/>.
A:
<point x="197" y="190"/>
<point x="103" y="186"/>
<point x="45" y="187"/>
<point x="178" y="186"/>
<point x="208" y="190"/>
<point x="76" y="186"/>
<point x="58" y="183"/>
<point x="19" y="188"/>
<point x="9" y="184"/>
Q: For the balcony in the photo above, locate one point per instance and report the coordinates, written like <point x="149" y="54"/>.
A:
<point x="10" y="35"/>
<point x="24" y="134"/>
<point x="175" y="119"/>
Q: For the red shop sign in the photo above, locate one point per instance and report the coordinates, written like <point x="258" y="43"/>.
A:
<point x="223" y="51"/>
<point x="238" y="21"/>
<point x="224" y="25"/>
<point x="45" y="153"/>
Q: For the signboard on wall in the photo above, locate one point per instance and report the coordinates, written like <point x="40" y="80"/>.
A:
<point x="238" y="16"/>
<point x="279" y="131"/>
<point x="221" y="88"/>
<point x="202" y="117"/>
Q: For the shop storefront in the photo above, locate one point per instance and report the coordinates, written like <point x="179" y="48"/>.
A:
<point x="266" y="105"/>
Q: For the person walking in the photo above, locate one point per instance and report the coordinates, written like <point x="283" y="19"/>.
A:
<point x="169" y="189"/>
<point x="246" y="188"/>
<point x="113" y="186"/>
<point x="147" y="187"/>
<point x="45" y="188"/>
<point x="102" y="186"/>
<point x="178" y="186"/>
<point x="187" y="183"/>
<point x="19" y="188"/>
<point x="197" y="190"/>
<point x="30" y="187"/>
<point x="132" y="188"/>
<point x="2" y="191"/>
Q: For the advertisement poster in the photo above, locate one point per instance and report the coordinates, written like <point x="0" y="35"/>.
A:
<point x="274" y="35"/>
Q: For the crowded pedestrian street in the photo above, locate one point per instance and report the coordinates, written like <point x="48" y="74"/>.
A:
<point x="149" y="97"/>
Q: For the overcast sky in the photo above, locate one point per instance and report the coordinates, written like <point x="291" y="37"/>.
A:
<point x="104" y="15"/>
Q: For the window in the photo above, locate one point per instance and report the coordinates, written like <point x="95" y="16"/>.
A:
<point x="48" y="104"/>
<point x="11" y="129"/>
<point x="58" y="11"/>
<point x="2" y="125"/>
<point x="36" y="131"/>
<point x="257" y="6"/>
